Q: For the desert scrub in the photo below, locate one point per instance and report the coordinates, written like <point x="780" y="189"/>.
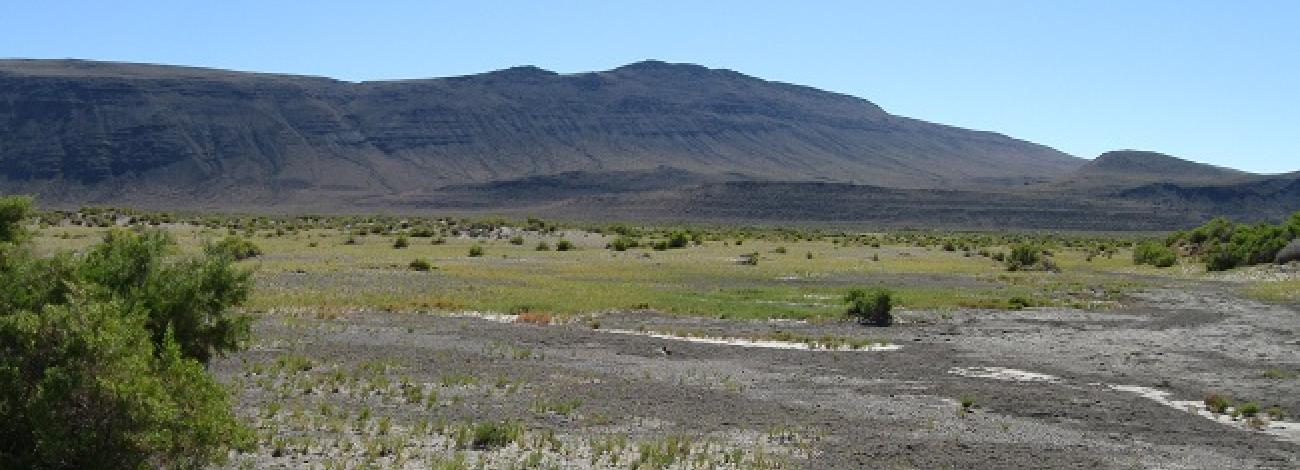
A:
<point x="870" y="307"/>
<point x="475" y="251"/>
<point x="236" y="247"/>
<point x="494" y="435"/>
<point x="1154" y="254"/>
<point x="563" y="245"/>
<point x="420" y="264"/>
<point x="1217" y="403"/>
<point x="559" y="407"/>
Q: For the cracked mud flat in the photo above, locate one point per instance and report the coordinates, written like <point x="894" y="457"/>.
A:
<point x="1043" y="382"/>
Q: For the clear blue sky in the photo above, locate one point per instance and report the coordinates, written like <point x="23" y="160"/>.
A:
<point x="1217" y="82"/>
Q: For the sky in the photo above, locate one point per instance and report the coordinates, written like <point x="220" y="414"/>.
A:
<point x="1215" y="82"/>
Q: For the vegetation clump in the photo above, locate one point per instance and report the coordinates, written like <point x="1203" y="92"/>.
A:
<point x="495" y="435"/>
<point x="1217" y="403"/>
<point x="1154" y="254"/>
<point x="870" y="307"/>
<point x="420" y="264"/>
<point x="1224" y="245"/>
<point x="623" y="243"/>
<point x="475" y="251"/>
<point x="563" y="245"/>
<point x="102" y="357"/>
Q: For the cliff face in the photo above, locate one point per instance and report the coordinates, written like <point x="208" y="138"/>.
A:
<point x="95" y="129"/>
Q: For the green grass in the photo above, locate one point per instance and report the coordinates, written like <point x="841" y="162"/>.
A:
<point x="314" y="270"/>
<point x="1273" y="291"/>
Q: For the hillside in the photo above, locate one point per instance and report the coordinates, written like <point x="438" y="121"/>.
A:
<point x="1130" y="167"/>
<point x="649" y="140"/>
<point x="89" y="130"/>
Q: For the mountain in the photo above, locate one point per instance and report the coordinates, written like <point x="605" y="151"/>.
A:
<point x="80" y="129"/>
<point x="1129" y="167"/>
<point x="649" y="140"/>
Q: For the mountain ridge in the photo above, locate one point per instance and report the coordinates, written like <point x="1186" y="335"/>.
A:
<point x="377" y="136"/>
<point x="649" y="139"/>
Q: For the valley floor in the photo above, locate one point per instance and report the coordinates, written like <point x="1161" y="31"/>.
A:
<point x="1051" y="387"/>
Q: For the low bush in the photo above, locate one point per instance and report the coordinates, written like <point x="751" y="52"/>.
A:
<point x="1018" y="303"/>
<point x="420" y="264"/>
<point x="623" y="243"/>
<point x="475" y="251"/>
<point x="870" y="307"/>
<point x="678" y="240"/>
<point x="236" y="247"/>
<point x="543" y="246"/>
<point x="563" y="245"/>
<point x="1023" y="257"/>
<point x="1217" y="403"/>
<point x="495" y="435"/>
<point x="401" y="242"/>
<point x="1154" y="254"/>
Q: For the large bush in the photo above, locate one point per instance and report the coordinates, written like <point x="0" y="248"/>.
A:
<point x="102" y="356"/>
<point x="870" y="307"/>
<point x="13" y="211"/>
<point x="1225" y="245"/>
<point x="1155" y="254"/>
<point x="190" y="297"/>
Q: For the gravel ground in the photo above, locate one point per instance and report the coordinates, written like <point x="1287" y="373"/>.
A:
<point x="800" y="408"/>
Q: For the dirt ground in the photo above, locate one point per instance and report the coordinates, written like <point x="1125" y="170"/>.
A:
<point x="327" y="392"/>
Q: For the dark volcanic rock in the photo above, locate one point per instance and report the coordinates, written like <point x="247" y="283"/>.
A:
<point x="1290" y="253"/>
<point x="191" y="132"/>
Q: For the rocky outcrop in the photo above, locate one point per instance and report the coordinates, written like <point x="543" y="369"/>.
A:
<point x="1289" y="254"/>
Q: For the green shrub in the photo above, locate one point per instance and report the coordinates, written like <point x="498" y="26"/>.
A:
<point x="82" y="386"/>
<point x="13" y="211"/>
<point x="1018" y="303"/>
<point x="543" y="246"/>
<point x="493" y="435"/>
<point x="1217" y="403"/>
<point x="1249" y="409"/>
<point x="1022" y="257"/>
<point x="870" y="307"/>
<point x="189" y="296"/>
<point x="517" y="240"/>
<point x="623" y="243"/>
<point x="475" y="251"/>
<point x="563" y="245"/>
<point x="1154" y="254"/>
<point x="420" y="264"/>
<point x="678" y="240"/>
<point x="1225" y="245"/>
<point x="1221" y="258"/>
<point x="401" y="242"/>
<point x="102" y="356"/>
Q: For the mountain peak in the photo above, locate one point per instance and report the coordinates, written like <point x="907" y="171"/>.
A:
<point x="659" y="67"/>
<point x="1145" y="162"/>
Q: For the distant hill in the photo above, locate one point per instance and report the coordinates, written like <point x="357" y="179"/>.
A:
<point x="78" y="129"/>
<point x="1126" y="167"/>
<point x="649" y="140"/>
